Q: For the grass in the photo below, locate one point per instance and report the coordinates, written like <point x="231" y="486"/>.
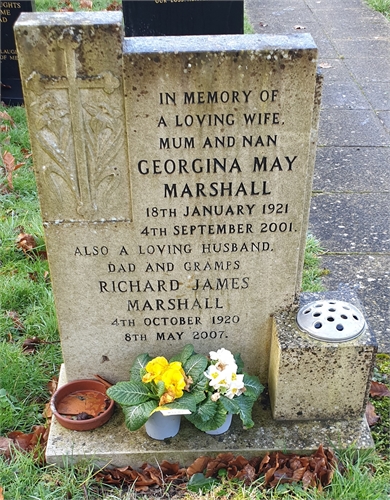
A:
<point x="382" y="6"/>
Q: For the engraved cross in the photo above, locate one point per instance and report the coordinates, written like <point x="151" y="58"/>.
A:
<point x="69" y="42"/>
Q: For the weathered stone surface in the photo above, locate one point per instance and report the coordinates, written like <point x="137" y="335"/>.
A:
<point x="197" y="236"/>
<point x="114" y="445"/>
<point x="72" y="80"/>
<point x="311" y="379"/>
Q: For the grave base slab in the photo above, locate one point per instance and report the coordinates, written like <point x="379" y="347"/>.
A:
<point x="114" y="446"/>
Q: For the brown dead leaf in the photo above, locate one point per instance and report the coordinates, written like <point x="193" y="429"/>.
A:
<point x="371" y="416"/>
<point x="1" y="493"/>
<point x="315" y="470"/>
<point x="86" y="4"/>
<point x="9" y="162"/>
<point x="10" y="167"/>
<point x="17" y="323"/>
<point x="5" y="447"/>
<point x="47" y="411"/>
<point x="379" y="390"/>
<point x="52" y="385"/>
<point x="115" y="5"/>
<point x="89" y="402"/>
<point x="247" y="474"/>
<point x="199" y="465"/>
<point x="26" y="242"/>
<point x="33" y="442"/>
<point x="5" y="116"/>
<point x="30" y="345"/>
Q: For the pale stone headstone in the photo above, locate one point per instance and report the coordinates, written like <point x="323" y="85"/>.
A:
<point x="174" y="189"/>
<point x="174" y="176"/>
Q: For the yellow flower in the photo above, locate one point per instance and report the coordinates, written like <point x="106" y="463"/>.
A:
<point x="154" y="369"/>
<point x="173" y="378"/>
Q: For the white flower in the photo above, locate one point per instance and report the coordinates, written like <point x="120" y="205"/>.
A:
<point x="236" y="386"/>
<point x="218" y="378"/>
<point x="223" y="356"/>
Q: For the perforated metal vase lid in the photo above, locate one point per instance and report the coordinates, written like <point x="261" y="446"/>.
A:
<point x="331" y="320"/>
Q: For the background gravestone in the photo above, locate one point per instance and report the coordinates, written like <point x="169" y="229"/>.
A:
<point x="195" y="236"/>
<point x="11" y="88"/>
<point x="184" y="17"/>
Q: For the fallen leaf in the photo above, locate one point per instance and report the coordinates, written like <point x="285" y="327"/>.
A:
<point x="52" y="385"/>
<point x="371" y="416"/>
<point x="379" y="390"/>
<point x="10" y="167"/>
<point x="30" y="345"/>
<point x="247" y="474"/>
<point x="47" y="411"/>
<point x="26" y="242"/>
<point x="35" y="441"/>
<point x="198" y="466"/>
<point x="5" y="447"/>
<point x="115" y="5"/>
<point x="1" y="493"/>
<point x="90" y="402"/>
<point x="17" y="323"/>
<point x="315" y="470"/>
<point x="86" y="4"/>
<point x="5" y="116"/>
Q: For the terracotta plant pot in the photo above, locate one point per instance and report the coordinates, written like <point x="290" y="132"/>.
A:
<point x="82" y="405"/>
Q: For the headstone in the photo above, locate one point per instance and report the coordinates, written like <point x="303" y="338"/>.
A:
<point x="174" y="176"/>
<point x="192" y="229"/>
<point x="183" y="17"/>
<point x="10" y="88"/>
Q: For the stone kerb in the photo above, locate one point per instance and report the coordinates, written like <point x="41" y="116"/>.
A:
<point x="174" y="177"/>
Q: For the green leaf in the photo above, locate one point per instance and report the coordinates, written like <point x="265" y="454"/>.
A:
<point x="230" y="405"/>
<point x="139" y="364"/>
<point x="195" y="366"/>
<point x="239" y="362"/>
<point x="184" y="355"/>
<point x="199" y="483"/>
<point x="129" y="393"/>
<point x="209" y="415"/>
<point x="159" y="388"/>
<point x="199" y="387"/>
<point x="245" y="410"/>
<point x="136" y="416"/>
<point x="253" y="386"/>
<point x="186" y="402"/>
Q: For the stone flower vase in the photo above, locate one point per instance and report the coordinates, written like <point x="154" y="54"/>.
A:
<point x="224" y="427"/>
<point x="161" y="427"/>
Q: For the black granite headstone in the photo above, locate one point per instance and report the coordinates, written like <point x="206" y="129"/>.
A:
<point x="183" y="17"/>
<point x="10" y="89"/>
